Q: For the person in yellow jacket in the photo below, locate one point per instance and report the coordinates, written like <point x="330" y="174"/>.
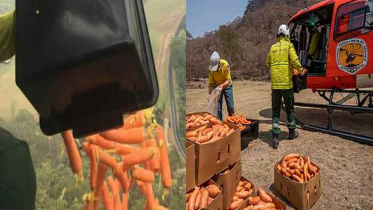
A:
<point x="281" y="60"/>
<point x="220" y="77"/>
<point x="314" y="46"/>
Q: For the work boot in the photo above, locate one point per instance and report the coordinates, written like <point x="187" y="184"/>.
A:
<point x="293" y="134"/>
<point x="275" y="141"/>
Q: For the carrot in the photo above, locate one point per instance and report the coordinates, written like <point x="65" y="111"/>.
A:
<point x="86" y="148"/>
<point x="93" y="172"/>
<point x="297" y="178"/>
<point x="165" y="163"/>
<point x="125" y="201"/>
<point x="278" y="167"/>
<point x="236" y="204"/>
<point x="204" y="199"/>
<point x="254" y="200"/>
<point x="105" y="196"/>
<point x="213" y="190"/>
<point x="298" y="173"/>
<point x="239" y="188"/>
<point x="284" y="172"/>
<point x="235" y="198"/>
<point x="305" y="171"/>
<point x="129" y="136"/>
<point x="155" y="162"/>
<point x="264" y="206"/>
<point x="312" y="169"/>
<point x="192" y="198"/>
<point x="289" y="156"/>
<point x="149" y="194"/>
<point x="209" y="201"/>
<point x="292" y="160"/>
<point x="301" y="162"/>
<point x="73" y="154"/>
<point x="99" y="183"/>
<point x="141" y="174"/>
<point x="138" y="157"/>
<point x="198" y="199"/>
<point x="110" y="145"/>
<point x="264" y="196"/>
<point x="187" y="197"/>
<point x="250" y="191"/>
<point x="134" y="120"/>
<point x="243" y="194"/>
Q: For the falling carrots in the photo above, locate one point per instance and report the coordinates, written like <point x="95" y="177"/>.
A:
<point x="134" y="153"/>
<point x="110" y="145"/>
<point x="73" y="154"/>
<point x="138" y="157"/>
<point x="101" y="172"/>
<point x="165" y="163"/>
<point x="141" y="174"/>
<point x="155" y="162"/>
<point x="129" y="136"/>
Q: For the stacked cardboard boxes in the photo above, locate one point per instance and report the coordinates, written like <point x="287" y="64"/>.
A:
<point x="218" y="161"/>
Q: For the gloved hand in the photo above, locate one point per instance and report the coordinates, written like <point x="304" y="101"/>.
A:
<point x="304" y="72"/>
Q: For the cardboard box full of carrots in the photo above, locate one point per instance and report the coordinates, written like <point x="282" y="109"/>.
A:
<point x="298" y="180"/>
<point x="229" y="180"/>
<point x="190" y="166"/>
<point x="206" y="196"/>
<point x="215" y="155"/>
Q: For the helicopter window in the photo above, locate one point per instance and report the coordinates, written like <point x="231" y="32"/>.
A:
<point x="352" y="17"/>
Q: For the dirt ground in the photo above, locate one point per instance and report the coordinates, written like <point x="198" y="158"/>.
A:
<point x="346" y="166"/>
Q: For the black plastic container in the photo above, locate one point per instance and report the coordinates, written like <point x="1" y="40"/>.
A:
<point x="250" y="133"/>
<point x="82" y="64"/>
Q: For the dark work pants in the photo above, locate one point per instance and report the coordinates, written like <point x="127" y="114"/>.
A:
<point x="288" y="96"/>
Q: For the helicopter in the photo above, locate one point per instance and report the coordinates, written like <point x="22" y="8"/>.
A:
<point x="343" y="65"/>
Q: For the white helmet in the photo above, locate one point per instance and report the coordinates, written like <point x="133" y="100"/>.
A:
<point x="283" y="29"/>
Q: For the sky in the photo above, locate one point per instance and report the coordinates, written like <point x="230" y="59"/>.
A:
<point x="208" y="15"/>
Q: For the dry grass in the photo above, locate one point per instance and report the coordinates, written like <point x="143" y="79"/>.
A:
<point x="346" y="166"/>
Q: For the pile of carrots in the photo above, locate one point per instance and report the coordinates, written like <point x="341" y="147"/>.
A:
<point x="297" y="168"/>
<point x="195" y="120"/>
<point x="207" y="134"/>
<point x="134" y="153"/>
<point x="262" y="201"/>
<point x="239" y="120"/>
<point x="244" y="190"/>
<point x="201" y="197"/>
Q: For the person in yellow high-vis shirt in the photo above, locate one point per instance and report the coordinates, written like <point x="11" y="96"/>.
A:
<point x="314" y="44"/>
<point x="220" y="77"/>
<point x="282" y="59"/>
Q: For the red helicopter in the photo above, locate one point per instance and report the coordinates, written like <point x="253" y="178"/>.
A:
<point x="343" y="65"/>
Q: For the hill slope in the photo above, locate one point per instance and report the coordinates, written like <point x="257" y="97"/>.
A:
<point x="245" y="41"/>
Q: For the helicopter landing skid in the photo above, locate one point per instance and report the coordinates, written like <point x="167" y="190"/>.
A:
<point x="364" y="105"/>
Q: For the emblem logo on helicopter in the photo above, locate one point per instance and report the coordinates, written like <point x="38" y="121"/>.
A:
<point x="352" y="55"/>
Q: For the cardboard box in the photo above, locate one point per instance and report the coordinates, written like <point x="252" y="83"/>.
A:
<point x="190" y="166"/>
<point x="245" y="202"/>
<point x="217" y="203"/>
<point x="229" y="180"/>
<point x="214" y="157"/>
<point x="296" y="193"/>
